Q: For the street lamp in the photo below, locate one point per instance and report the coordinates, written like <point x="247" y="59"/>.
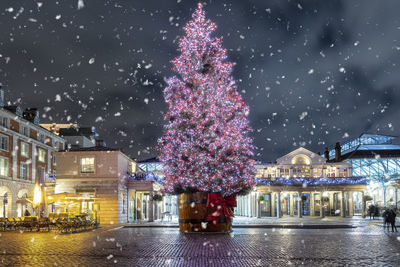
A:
<point x="37" y="197"/>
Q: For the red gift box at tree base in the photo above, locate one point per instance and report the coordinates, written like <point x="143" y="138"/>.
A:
<point x="206" y="151"/>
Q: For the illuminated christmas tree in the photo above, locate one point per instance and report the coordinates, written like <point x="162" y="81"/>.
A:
<point x="205" y="146"/>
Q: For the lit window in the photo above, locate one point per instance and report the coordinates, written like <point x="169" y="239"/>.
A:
<point x="4" y="142"/>
<point x="4" y="167"/>
<point x="331" y="172"/>
<point x="24" y="149"/>
<point x="259" y="173"/>
<point x="42" y="154"/>
<point x="24" y="170"/>
<point x="87" y="165"/>
<point x="132" y="167"/>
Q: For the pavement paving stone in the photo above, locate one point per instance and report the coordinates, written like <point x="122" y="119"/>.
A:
<point x="362" y="246"/>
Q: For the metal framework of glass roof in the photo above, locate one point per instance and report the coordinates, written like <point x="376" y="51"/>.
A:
<point x="382" y="169"/>
<point x="150" y="166"/>
<point x="364" y="139"/>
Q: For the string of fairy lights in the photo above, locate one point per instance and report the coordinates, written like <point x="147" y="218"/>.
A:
<point x="312" y="181"/>
<point x="205" y="146"/>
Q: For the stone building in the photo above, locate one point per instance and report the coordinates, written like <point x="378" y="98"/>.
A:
<point x="88" y="176"/>
<point x="303" y="183"/>
<point x="27" y="154"/>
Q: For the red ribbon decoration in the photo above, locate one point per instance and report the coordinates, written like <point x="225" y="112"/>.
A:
<point x="219" y="205"/>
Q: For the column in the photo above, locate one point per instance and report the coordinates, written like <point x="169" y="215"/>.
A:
<point x="150" y="211"/>
<point x="291" y="205"/>
<point x="273" y="205"/>
<point x="350" y="203"/>
<point x="321" y="206"/>
<point x="362" y="205"/>
<point x="15" y="151"/>
<point x="290" y="172"/>
<point x="312" y="204"/>
<point x="342" y="210"/>
<point x="278" y="206"/>
<point x="33" y="157"/>
<point x="395" y="197"/>
<point x="258" y="206"/>
<point x="299" y="205"/>
<point x="49" y="161"/>
<point x="311" y="172"/>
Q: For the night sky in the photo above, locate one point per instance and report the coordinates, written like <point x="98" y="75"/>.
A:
<point x="312" y="72"/>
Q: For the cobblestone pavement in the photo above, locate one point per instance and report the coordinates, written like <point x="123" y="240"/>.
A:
<point x="362" y="246"/>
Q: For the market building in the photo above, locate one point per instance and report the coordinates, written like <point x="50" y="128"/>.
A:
<point x="27" y="156"/>
<point x="152" y="167"/>
<point x="376" y="157"/>
<point x="303" y="183"/>
<point x="101" y="181"/>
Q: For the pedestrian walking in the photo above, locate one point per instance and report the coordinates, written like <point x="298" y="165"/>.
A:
<point x="391" y="217"/>
<point x="385" y="216"/>
<point x="371" y="211"/>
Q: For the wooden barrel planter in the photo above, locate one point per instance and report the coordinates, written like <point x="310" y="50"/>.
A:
<point x="193" y="212"/>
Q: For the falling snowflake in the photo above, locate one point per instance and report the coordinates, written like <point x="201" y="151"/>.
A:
<point x="81" y="4"/>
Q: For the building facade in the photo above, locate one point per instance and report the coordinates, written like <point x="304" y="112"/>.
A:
<point x="303" y="183"/>
<point x="153" y="167"/>
<point x="27" y="155"/>
<point x="105" y="183"/>
<point x="376" y="157"/>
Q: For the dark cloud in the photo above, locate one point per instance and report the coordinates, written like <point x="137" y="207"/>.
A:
<point x="313" y="72"/>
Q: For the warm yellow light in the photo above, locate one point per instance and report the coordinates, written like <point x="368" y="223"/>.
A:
<point x="37" y="195"/>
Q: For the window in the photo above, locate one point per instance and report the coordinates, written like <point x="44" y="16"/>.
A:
<point x="4" y="142"/>
<point x="132" y="167"/>
<point x="331" y="172"/>
<point x="343" y="172"/>
<point x="42" y="154"/>
<point x="41" y="138"/>
<point x="4" y="121"/>
<point x="87" y="165"/>
<point x="54" y="159"/>
<point x="24" y="130"/>
<point x="259" y="173"/>
<point x="24" y="149"/>
<point x="24" y="168"/>
<point x="4" y="167"/>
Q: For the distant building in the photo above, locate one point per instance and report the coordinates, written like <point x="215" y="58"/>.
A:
<point x="27" y="154"/>
<point x="376" y="157"/>
<point x="74" y="135"/>
<point x="303" y="183"/>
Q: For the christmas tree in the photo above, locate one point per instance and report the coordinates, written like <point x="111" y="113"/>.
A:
<point x="205" y="146"/>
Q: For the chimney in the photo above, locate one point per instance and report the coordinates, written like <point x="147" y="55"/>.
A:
<point x="1" y="97"/>
<point x="326" y="153"/>
<point x="338" y="149"/>
<point x="99" y="143"/>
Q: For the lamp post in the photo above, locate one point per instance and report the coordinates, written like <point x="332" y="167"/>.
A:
<point x="37" y="198"/>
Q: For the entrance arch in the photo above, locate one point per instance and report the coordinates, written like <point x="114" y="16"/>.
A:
<point x="5" y="201"/>
<point x="23" y="204"/>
